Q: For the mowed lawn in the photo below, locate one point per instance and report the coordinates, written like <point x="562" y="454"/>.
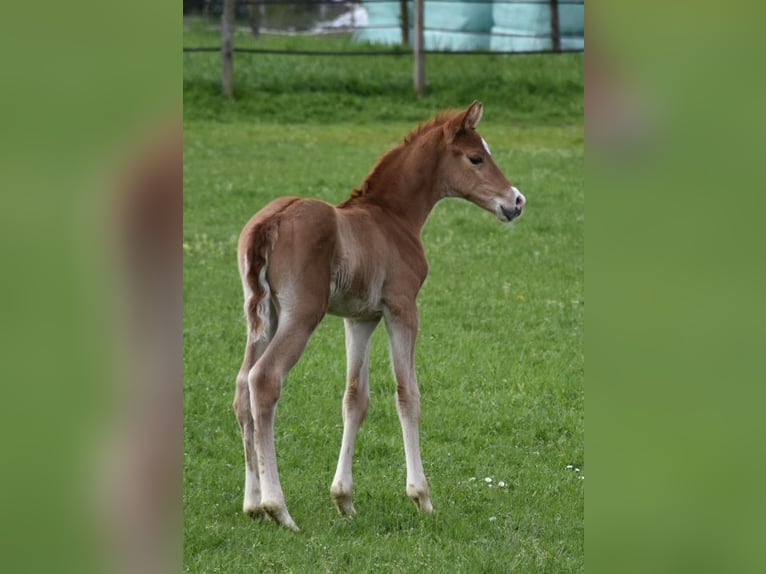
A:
<point x="500" y="364"/>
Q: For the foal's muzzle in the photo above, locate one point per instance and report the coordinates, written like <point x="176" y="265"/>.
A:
<point x="511" y="212"/>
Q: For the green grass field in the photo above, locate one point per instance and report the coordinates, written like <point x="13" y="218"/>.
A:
<point x="500" y="352"/>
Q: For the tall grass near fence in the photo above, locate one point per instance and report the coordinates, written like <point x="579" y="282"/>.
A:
<point x="520" y="89"/>
<point x="500" y="353"/>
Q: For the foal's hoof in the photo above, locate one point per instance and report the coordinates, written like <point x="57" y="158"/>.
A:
<point x="344" y="504"/>
<point x="421" y="499"/>
<point x="343" y="500"/>
<point x="256" y="512"/>
<point x="279" y="513"/>
<point x="423" y="504"/>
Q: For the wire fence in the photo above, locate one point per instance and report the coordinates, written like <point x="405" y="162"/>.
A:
<point x="384" y="28"/>
<point x="450" y="26"/>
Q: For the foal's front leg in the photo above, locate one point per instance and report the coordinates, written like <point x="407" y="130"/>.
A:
<point x="402" y="327"/>
<point x="355" y="402"/>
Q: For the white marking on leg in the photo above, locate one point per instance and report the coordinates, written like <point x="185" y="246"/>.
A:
<point x="252" y="495"/>
<point x="252" y="489"/>
<point x="265" y="383"/>
<point x="486" y="146"/>
<point x="355" y="401"/>
<point x="263" y="409"/>
<point x="402" y="345"/>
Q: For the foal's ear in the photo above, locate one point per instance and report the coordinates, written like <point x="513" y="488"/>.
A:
<point x="468" y="120"/>
<point x="472" y="115"/>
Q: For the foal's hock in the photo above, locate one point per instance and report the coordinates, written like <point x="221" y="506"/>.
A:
<point x="301" y="258"/>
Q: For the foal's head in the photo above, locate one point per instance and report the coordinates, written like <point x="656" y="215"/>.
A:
<point x="470" y="172"/>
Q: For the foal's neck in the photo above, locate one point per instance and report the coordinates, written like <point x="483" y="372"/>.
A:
<point x="404" y="183"/>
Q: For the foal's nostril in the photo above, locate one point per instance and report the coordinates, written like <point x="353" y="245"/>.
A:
<point x="519" y="199"/>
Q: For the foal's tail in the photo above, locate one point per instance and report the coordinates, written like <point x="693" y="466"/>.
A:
<point x="258" y="244"/>
<point x="257" y="305"/>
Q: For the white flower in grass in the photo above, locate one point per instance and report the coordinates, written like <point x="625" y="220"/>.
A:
<point x="570" y="466"/>
<point x="492" y="518"/>
<point x="501" y="484"/>
<point x="488" y="480"/>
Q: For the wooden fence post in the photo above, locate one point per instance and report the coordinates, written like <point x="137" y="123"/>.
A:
<point x="555" y="32"/>
<point x="419" y="71"/>
<point x="227" y="45"/>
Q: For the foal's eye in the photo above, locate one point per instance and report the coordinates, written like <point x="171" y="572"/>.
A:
<point x="476" y="160"/>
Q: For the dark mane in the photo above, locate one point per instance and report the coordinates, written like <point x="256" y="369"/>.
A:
<point x="438" y="120"/>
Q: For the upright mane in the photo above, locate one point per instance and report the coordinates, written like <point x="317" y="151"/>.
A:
<point x="439" y="120"/>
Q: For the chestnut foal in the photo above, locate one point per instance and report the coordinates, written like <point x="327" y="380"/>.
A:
<point x="301" y="258"/>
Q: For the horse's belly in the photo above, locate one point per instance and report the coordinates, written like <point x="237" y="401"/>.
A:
<point x="354" y="305"/>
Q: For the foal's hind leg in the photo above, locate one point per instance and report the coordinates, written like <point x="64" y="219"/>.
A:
<point x="252" y="499"/>
<point x="265" y="384"/>
<point x="355" y="402"/>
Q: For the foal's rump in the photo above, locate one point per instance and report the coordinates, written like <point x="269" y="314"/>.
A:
<point x="285" y="254"/>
